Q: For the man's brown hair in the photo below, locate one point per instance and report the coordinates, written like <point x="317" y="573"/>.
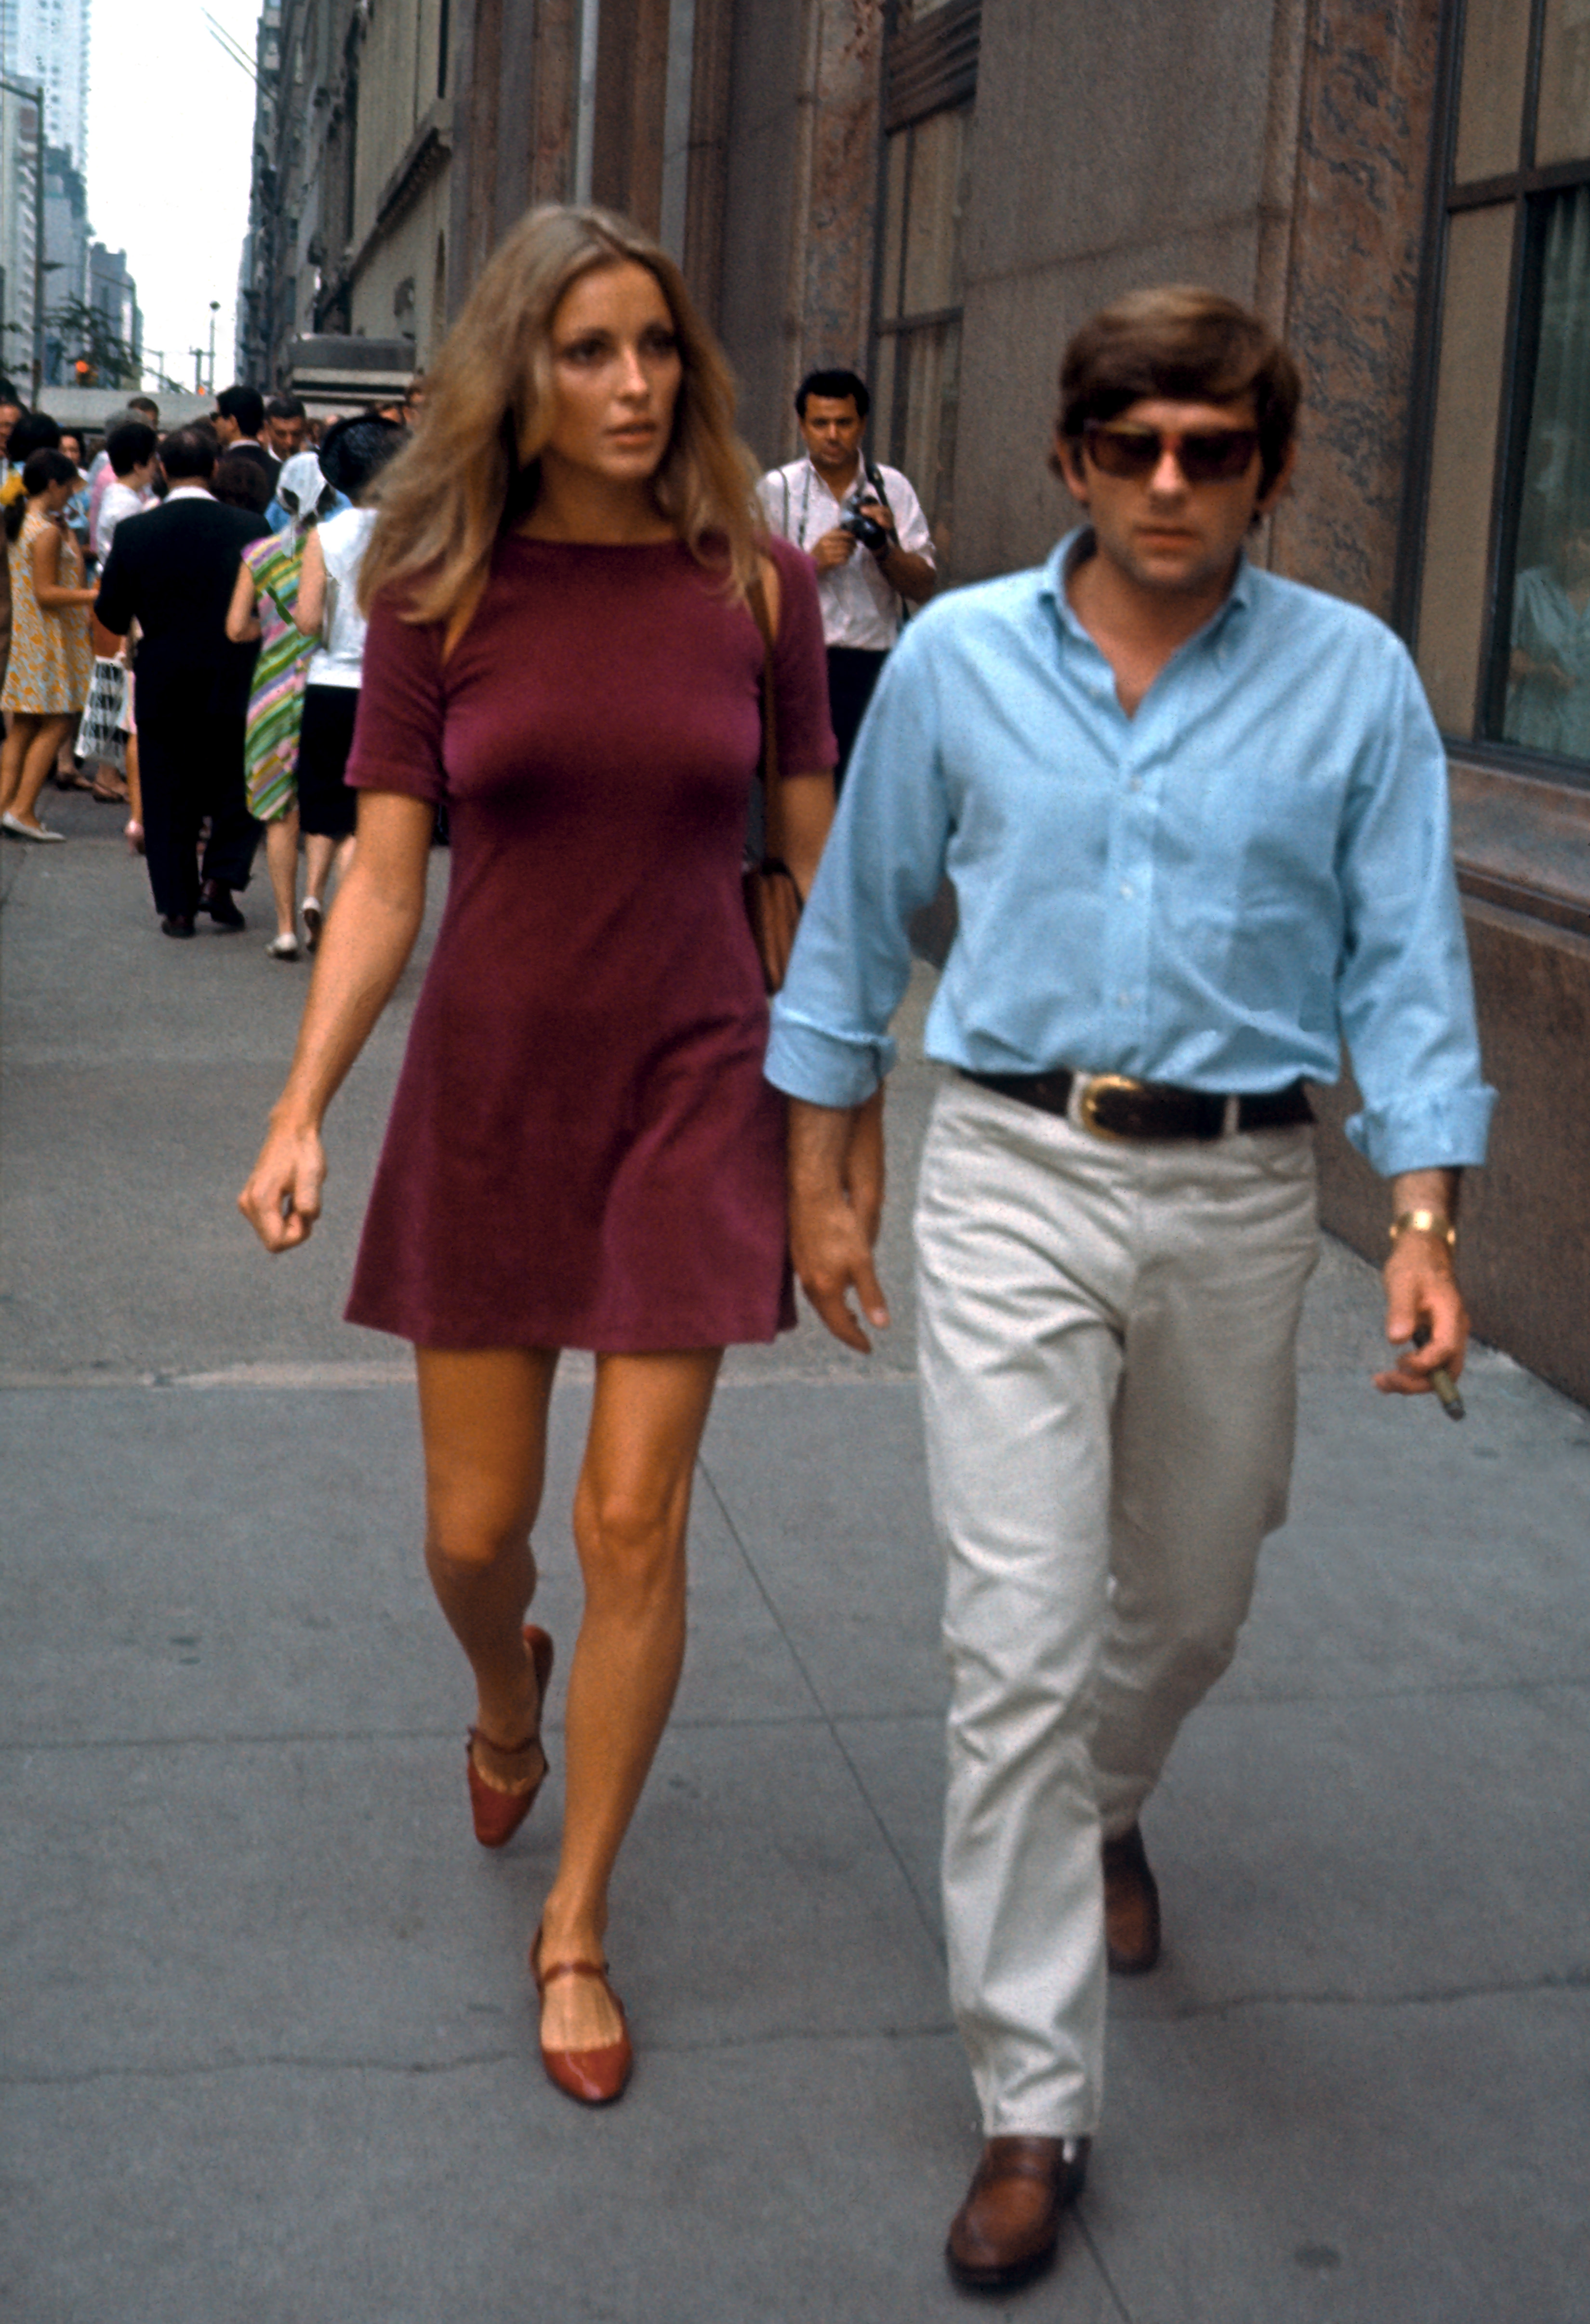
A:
<point x="1186" y="344"/>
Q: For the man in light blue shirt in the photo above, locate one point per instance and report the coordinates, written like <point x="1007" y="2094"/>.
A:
<point x="1196" y="820"/>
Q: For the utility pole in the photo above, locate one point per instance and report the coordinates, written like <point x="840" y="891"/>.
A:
<point x="215" y="310"/>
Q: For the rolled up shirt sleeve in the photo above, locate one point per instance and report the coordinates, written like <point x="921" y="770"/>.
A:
<point x="1404" y="990"/>
<point x="884" y="857"/>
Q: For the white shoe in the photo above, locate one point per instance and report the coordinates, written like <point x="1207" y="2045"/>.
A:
<point x="39" y="833"/>
<point x="313" y="916"/>
<point x="284" y="947"/>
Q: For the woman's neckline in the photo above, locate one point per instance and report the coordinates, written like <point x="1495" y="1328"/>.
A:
<point x="608" y="547"/>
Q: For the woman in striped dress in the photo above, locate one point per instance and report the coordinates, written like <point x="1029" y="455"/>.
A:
<point x="262" y="607"/>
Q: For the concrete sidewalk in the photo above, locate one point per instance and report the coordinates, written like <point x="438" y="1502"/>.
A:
<point x="268" y="2053"/>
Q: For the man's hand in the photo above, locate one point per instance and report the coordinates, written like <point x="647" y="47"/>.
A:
<point x="1421" y="1288"/>
<point x="835" y="1203"/>
<point x="913" y="577"/>
<point x="831" y="548"/>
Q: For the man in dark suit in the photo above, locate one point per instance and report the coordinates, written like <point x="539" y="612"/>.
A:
<point x="173" y="570"/>
<point x="237" y="420"/>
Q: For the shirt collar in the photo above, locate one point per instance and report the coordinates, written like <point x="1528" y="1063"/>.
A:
<point x="817" y="479"/>
<point x="1073" y="546"/>
<point x="188" y="492"/>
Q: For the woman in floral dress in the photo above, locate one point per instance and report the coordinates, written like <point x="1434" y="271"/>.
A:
<point x="51" y="658"/>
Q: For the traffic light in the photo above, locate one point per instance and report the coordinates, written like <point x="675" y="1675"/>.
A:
<point x="85" y="371"/>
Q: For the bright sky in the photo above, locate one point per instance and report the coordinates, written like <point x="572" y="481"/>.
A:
<point x="170" y="132"/>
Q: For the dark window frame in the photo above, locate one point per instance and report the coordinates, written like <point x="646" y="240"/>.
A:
<point x="928" y="67"/>
<point x="1526" y="190"/>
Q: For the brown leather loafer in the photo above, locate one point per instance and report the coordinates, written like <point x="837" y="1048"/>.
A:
<point x="1131" y="1907"/>
<point x="1005" y="2231"/>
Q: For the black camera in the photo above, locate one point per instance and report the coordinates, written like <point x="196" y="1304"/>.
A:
<point x="866" y="529"/>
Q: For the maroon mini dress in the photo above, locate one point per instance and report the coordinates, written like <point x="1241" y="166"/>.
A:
<point x="582" y="1152"/>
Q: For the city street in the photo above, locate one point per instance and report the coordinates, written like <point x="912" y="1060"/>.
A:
<point x="269" y="2048"/>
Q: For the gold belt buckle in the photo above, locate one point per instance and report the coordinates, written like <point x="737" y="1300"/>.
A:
<point x="1088" y="1103"/>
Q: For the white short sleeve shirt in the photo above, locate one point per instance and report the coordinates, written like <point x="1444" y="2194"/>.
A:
<point x="860" y="609"/>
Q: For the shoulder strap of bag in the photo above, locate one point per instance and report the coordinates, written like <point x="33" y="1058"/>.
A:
<point x="772" y="789"/>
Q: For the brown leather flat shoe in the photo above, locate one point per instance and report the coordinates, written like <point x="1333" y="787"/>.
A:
<point x="594" y="2077"/>
<point x="1131" y="1907"/>
<point x="1005" y="2233"/>
<point x="497" y="1808"/>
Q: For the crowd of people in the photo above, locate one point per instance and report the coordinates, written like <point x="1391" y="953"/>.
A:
<point x="1195" y="818"/>
<point x="172" y="675"/>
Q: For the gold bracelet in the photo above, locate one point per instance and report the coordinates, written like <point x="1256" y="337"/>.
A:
<point x="1425" y="1222"/>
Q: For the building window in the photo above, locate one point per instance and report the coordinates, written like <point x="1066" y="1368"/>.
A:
<point x="930" y="88"/>
<point x="1503" y="628"/>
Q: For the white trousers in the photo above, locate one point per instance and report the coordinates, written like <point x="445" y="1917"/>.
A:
<point x="1107" y="1338"/>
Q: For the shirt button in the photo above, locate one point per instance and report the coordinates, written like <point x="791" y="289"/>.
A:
<point x="1126" y="889"/>
<point x="1124" y="1000"/>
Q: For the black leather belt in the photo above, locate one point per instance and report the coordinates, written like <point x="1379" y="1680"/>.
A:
<point x="1111" y="1105"/>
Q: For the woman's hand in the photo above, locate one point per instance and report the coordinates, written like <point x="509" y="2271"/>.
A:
<point x="281" y="1200"/>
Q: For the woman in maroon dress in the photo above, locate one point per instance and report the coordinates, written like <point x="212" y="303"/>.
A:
<point x="582" y="1152"/>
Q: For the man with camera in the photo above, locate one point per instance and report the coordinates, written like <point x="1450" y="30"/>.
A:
<point x="863" y="528"/>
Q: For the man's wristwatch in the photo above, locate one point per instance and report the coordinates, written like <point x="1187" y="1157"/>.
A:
<point x="1434" y="1222"/>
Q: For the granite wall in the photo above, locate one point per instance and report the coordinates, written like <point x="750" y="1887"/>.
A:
<point x="1113" y="148"/>
<point x="1361" y="161"/>
<point x="801" y="166"/>
<point x="1522" y="1250"/>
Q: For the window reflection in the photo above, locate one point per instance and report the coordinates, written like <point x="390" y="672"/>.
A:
<point x="1548" y="677"/>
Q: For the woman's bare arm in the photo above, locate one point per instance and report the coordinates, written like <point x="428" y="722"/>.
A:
<point x="242" y="622"/>
<point x="46" y="561"/>
<point x="369" y="936"/>
<point x="807" y="803"/>
<point x="310" y="609"/>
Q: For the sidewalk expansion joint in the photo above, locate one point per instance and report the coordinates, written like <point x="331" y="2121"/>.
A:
<point x="291" y="2062"/>
<point x="1576" y="1979"/>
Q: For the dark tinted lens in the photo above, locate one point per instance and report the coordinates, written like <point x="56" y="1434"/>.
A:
<point x="1211" y="455"/>
<point x="1216" y="455"/>
<point x="1122" y="451"/>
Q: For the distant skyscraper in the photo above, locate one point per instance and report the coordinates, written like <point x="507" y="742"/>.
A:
<point x="47" y="41"/>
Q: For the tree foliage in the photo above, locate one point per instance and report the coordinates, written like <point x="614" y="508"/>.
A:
<point x="87" y="336"/>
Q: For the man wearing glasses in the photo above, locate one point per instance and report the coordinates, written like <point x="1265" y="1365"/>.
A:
<point x="1196" y="819"/>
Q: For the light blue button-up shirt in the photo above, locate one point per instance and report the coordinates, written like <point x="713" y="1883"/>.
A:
<point x="1212" y="893"/>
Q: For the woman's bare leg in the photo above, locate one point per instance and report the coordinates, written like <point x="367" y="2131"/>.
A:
<point x="18" y="734"/>
<point x="318" y="851"/>
<point x="134" y="788"/>
<point x="483" y="1420"/>
<point x="19" y="792"/>
<point x="282" y="861"/>
<point x="630" y="1513"/>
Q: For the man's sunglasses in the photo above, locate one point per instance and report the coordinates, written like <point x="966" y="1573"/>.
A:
<point x="1205" y="456"/>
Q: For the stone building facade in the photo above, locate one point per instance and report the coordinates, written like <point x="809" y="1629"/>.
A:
<point x="348" y="233"/>
<point x="940" y="191"/>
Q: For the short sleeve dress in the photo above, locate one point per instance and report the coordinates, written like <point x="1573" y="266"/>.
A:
<point x="51" y="657"/>
<point x="583" y="1151"/>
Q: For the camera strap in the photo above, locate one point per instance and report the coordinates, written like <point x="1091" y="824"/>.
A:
<point x="874" y="478"/>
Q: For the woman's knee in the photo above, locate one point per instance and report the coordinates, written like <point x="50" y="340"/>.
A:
<point x="465" y="1542"/>
<point x="630" y="1539"/>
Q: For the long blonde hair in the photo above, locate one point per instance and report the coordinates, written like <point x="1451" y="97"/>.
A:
<point x="472" y="471"/>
